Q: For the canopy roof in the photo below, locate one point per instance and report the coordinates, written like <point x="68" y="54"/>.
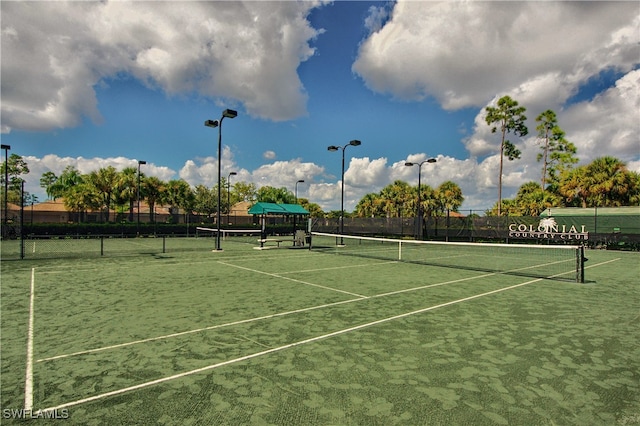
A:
<point x="277" y="209"/>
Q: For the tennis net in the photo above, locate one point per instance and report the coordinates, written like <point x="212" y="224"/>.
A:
<point x="562" y="262"/>
<point x="247" y="236"/>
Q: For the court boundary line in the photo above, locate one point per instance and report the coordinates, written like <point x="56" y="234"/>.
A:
<point x="264" y="317"/>
<point x="294" y="344"/>
<point x="278" y="349"/>
<point x="28" y="381"/>
<point x="279" y="314"/>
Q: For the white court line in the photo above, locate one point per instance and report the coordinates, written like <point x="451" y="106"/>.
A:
<point x="244" y="321"/>
<point x="213" y="327"/>
<point x="339" y="267"/>
<point x="28" y="381"/>
<point x="296" y="311"/>
<point x="294" y="280"/>
<point x="277" y="349"/>
<point x="299" y="343"/>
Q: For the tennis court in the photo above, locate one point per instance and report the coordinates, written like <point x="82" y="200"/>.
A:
<point x="293" y="336"/>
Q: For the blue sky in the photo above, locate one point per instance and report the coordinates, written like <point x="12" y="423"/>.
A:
<point x="111" y="83"/>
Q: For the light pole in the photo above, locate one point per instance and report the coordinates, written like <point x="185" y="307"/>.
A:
<point x="227" y="113"/>
<point x="229" y="194"/>
<point x="335" y="148"/>
<point x="408" y="163"/>
<point x="294" y="216"/>
<point x="300" y="181"/>
<point x="140" y="162"/>
<point x="6" y="184"/>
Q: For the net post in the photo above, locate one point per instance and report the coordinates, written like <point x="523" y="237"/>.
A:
<point x="580" y="264"/>
<point x="101" y="245"/>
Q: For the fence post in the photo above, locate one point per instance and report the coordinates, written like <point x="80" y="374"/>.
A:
<point x="101" y="245"/>
<point x="21" y="221"/>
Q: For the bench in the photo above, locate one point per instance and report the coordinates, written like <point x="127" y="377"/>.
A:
<point x="269" y="240"/>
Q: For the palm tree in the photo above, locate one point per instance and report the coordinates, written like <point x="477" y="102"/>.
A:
<point x="152" y="188"/>
<point x="369" y="205"/>
<point x="178" y="194"/>
<point x="532" y="200"/>
<point x="574" y="187"/>
<point x="69" y="178"/>
<point x="81" y="197"/>
<point x="105" y="181"/>
<point x="449" y="197"/>
<point x="610" y="182"/>
<point x="395" y="198"/>
<point x="127" y="188"/>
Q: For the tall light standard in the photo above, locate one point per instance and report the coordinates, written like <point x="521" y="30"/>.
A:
<point x="336" y="148"/>
<point x="300" y="181"/>
<point x="294" y="216"/>
<point x="408" y="163"/>
<point x="229" y="194"/>
<point x="6" y="183"/>
<point x="140" y="162"/>
<point x="227" y="113"/>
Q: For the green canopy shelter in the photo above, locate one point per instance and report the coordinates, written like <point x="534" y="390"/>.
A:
<point x="274" y="209"/>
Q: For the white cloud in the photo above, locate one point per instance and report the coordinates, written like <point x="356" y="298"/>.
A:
<point x="608" y="123"/>
<point x="242" y="52"/>
<point x="464" y="53"/>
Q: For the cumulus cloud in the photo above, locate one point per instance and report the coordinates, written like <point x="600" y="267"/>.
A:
<point x="589" y="127"/>
<point x="246" y="53"/>
<point x="204" y="170"/>
<point x="286" y="173"/>
<point x="463" y="53"/>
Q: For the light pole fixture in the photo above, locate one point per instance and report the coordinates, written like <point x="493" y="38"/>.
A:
<point x="294" y="216"/>
<point x="229" y="194"/>
<point x="6" y="183"/>
<point x="227" y="113"/>
<point x="336" y="148"/>
<point x="409" y="164"/>
<point x="140" y="162"/>
<point x="300" y="181"/>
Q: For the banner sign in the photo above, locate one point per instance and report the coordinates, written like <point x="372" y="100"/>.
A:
<point x="548" y="228"/>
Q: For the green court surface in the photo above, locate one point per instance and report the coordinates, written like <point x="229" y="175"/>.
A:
<point x="297" y="337"/>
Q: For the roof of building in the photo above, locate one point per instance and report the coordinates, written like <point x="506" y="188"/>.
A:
<point x="277" y="209"/>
